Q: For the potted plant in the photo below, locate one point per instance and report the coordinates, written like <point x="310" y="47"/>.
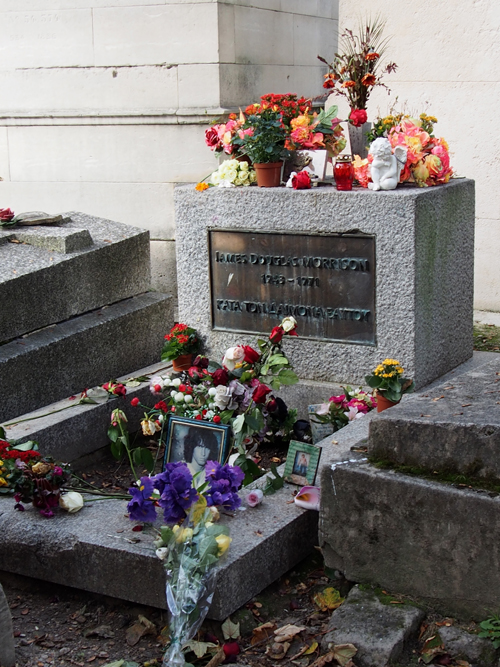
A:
<point x="354" y="72"/>
<point x="264" y="136"/>
<point x="182" y="343"/>
<point x="389" y="384"/>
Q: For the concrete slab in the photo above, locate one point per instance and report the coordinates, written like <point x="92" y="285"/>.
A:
<point x="89" y="550"/>
<point x="408" y="535"/>
<point x="452" y="427"/>
<point x="78" y="266"/>
<point x="82" y="352"/>
<point x="379" y="631"/>
<point x="7" y="650"/>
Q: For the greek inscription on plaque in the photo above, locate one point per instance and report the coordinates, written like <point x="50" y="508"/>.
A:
<point x="327" y="282"/>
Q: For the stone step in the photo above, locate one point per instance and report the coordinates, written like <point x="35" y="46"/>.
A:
<point x="451" y="427"/>
<point x="49" y="274"/>
<point x="95" y="550"/>
<point x="82" y="352"/>
<point x="412" y="536"/>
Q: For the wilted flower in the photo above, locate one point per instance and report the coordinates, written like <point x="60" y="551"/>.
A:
<point x="149" y="427"/>
<point x="71" y="502"/>
<point x="233" y="357"/>
<point x="254" y="498"/>
<point x="223" y="541"/>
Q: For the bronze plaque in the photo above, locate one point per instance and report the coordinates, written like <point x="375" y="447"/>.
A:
<point x="327" y="282"/>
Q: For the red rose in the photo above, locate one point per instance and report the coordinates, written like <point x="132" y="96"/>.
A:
<point x="260" y="393"/>
<point x="220" y="376"/>
<point x="211" y="138"/>
<point x="301" y="181"/>
<point x="6" y="214"/>
<point x="358" y="117"/>
<point x="135" y="401"/>
<point x="251" y="355"/>
<point x="182" y="387"/>
<point x="161" y="406"/>
<point x="198" y="417"/>
<point x="216" y="419"/>
<point x="276" y="335"/>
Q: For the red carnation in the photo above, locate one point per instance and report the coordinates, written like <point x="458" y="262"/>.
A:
<point x="161" y="406"/>
<point x="135" y="401"/>
<point x="216" y="419"/>
<point x="198" y="417"/>
<point x="260" y="393"/>
<point x="276" y="335"/>
<point x="358" y="117"/>
<point x="301" y="181"/>
<point x="251" y="355"/>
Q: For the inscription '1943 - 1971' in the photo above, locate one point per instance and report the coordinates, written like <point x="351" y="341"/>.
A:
<point x="326" y="282"/>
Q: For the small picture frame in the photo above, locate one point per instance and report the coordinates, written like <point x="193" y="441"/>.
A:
<point x="195" y="442"/>
<point x="318" y="162"/>
<point x="302" y="463"/>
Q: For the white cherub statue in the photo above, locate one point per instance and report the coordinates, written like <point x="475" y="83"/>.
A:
<point x="386" y="166"/>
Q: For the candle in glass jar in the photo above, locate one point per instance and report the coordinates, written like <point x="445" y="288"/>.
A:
<point x="343" y="172"/>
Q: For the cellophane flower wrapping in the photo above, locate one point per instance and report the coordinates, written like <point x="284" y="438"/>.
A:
<point x="193" y="551"/>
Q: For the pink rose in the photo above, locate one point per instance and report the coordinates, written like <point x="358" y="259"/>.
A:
<point x="254" y="498"/>
<point x="6" y="214"/>
<point x="356" y="403"/>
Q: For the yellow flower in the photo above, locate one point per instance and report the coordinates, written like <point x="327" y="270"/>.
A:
<point x="3" y="482"/>
<point x="41" y="468"/>
<point x="182" y="534"/>
<point x="201" y="187"/>
<point x="300" y="121"/>
<point x="223" y="541"/>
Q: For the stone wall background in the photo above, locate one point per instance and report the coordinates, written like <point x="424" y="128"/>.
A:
<point x="106" y="101"/>
<point x="446" y="54"/>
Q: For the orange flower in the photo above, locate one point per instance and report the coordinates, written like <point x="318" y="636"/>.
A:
<point x="368" y="80"/>
<point x="348" y="84"/>
<point x="202" y="186"/>
<point x="372" y="56"/>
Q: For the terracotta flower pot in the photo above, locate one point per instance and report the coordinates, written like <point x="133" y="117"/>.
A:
<point x="183" y="362"/>
<point x="384" y="403"/>
<point x="268" y="174"/>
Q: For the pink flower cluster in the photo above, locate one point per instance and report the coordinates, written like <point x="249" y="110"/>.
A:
<point x="428" y="160"/>
<point x="220" y="138"/>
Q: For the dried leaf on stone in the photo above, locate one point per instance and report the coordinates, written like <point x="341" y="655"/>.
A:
<point x="199" y="648"/>
<point x="433" y="646"/>
<point x="262" y="632"/>
<point x="230" y="630"/>
<point x="103" y="631"/>
<point x="311" y="649"/>
<point x="328" y="600"/>
<point x="288" y="632"/>
<point x="343" y="653"/>
<point x="140" y="628"/>
<point x="323" y="659"/>
<point x="277" y="651"/>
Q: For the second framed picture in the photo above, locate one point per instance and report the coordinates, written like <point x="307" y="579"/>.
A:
<point x="302" y="463"/>
<point x="195" y="442"/>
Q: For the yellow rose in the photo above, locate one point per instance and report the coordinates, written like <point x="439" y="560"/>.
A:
<point x="223" y="541"/>
<point x="184" y="535"/>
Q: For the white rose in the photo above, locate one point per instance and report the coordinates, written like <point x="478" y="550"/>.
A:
<point x="243" y="166"/>
<point x="215" y="178"/>
<point x="252" y="176"/>
<point x="222" y="397"/>
<point x="71" y="502"/>
<point x="188" y="398"/>
<point x="179" y="397"/>
<point x="288" y="324"/>
<point x="155" y="381"/>
<point x="175" y="383"/>
<point x="212" y="391"/>
<point x="233" y="356"/>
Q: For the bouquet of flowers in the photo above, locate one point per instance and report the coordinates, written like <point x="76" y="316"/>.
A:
<point x="340" y="410"/>
<point x="190" y="550"/>
<point x="289" y="106"/>
<point x="224" y="137"/>
<point x="313" y="130"/>
<point x="233" y="172"/>
<point x="237" y="392"/>
<point x="180" y="340"/>
<point x="387" y="379"/>
<point x="355" y="71"/>
<point x="39" y="481"/>
<point x="10" y="458"/>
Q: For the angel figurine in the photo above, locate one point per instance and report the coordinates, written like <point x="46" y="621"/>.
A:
<point x="386" y="167"/>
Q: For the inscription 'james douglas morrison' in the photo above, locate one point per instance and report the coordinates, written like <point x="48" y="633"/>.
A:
<point x="325" y="282"/>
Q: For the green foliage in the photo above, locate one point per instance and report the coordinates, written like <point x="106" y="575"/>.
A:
<point x="180" y="340"/>
<point x="249" y="468"/>
<point x="267" y="143"/>
<point x="486" y="338"/>
<point x="273" y="484"/>
<point x="490" y="629"/>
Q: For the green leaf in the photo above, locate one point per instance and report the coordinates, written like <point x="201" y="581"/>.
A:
<point x="97" y="395"/>
<point x="237" y="423"/>
<point x="255" y="420"/>
<point x="250" y="468"/>
<point x="117" y="450"/>
<point x="225" y="416"/>
<point x="113" y="433"/>
<point x="287" y="376"/>
<point x="373" y="381"/>
<point x="2" y="432"/>
<point x="31" y="445"/>
<point x="273" y="485"/>
<point x="262" y="344"/>
<point x="147" y="459"/>
<point x="278" y="360"/>
<point x="137" y="455"/>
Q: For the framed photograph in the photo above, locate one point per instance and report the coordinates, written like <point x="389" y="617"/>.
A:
<point x="302" y="463"/>
<point x="318" y="162"/>
<point x="196" y="442"/>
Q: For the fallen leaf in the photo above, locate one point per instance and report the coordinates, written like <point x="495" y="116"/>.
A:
<point x="217" y="660"/>
<point x="438" y="398"/>
<point x="277" y="651"/>
<point x="343" y="653"/>
<point x="140" y="628"/>
<point x="199" y="648"/>
<point x="323" y="660"/>
<point x="466" y="405"/>
<point x="328" y="600"/>
<point x="25" y="611"/>
<point x="262" y="632"/>
<point x="103" y="631"/>
<point x="288" y="632"/>
<point x="230" y="630"/>
<point x="433" y="646"/>
<point x="311" y="648"/>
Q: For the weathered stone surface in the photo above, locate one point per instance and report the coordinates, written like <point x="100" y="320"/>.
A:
<point x="87" y="350"/>
<point x="413" y="536"/>
<point x="53" y="273"/>
<point x="7" y="652"/>
<point x="466" y="646"/>
<point x="424" y="269"/>
<point x="377" y="630"/>
<point x="38" y="218"/>
<point x="72" y="432"/>
<point x="452" y="427"/>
